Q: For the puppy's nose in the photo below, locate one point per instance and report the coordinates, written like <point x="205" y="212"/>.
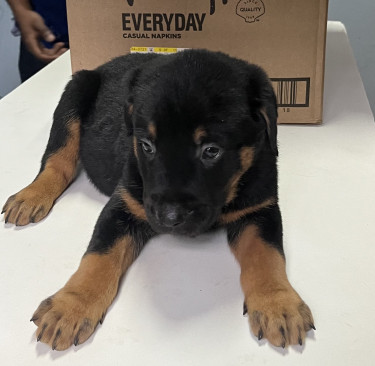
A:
<point x="172" y="215"/>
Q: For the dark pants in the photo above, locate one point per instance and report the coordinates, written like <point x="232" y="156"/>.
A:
<point x="28" y="65"/>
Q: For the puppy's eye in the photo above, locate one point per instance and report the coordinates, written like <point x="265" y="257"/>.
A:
<point x="148" y="147"/>
<point x="210" y="152"/>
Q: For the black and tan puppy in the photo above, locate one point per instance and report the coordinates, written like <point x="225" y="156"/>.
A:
<point x="182" y="144"/>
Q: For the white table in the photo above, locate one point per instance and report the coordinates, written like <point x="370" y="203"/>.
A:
<point x="181" y="302"/>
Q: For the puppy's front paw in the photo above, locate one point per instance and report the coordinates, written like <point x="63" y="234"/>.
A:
<point x="66" y="318"/>
<point x="28" y="205"/>
<point x="281" y="316"/>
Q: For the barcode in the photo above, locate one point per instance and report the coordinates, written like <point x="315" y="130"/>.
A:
<point x="292" y="92"/>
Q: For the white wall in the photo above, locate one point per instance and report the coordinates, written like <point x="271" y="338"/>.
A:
<point x="358" y="17"/>
<point x="9" y="49"/>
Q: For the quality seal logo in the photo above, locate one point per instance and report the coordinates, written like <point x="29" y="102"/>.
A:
<point x="250" y="10"/>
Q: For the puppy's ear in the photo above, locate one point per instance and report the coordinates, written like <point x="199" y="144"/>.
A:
<point x="263" y="107"/>
<point x="129" y="95"/>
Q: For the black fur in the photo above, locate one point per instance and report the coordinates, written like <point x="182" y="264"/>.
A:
<point x="115" y="222"/>
<point x="268" y="222"/>
<point x="79" y="96"/>
<point x="182" y="144"/>
<point x="180" y="192"/>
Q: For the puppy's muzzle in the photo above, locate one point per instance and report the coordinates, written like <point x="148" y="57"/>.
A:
<point x="172" y="215"/>
<point x="186" y="215"/>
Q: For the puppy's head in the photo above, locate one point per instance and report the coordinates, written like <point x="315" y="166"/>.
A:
<point x="200" y="120"/>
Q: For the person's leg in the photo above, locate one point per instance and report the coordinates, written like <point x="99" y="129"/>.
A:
<point x="28" y="65"/>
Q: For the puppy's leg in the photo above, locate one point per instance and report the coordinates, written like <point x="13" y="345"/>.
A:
<point x="59" y="163"/>
<point x="71" y="315"/>
<point x="276" y="311"/>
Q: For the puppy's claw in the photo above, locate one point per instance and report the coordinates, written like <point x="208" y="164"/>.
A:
<point x="299" y="336"/>
<point x="18" y="218"/>
<point x="54" y="344"/>
<point x="312" y="326"/>
<point x="7" y="216"/>
<point x="244" y="311"/>
<point x="282" y="331"/>
<point x="260" y="335"/>
<point x="102" y="319"/>
<point x="41" y="333"/>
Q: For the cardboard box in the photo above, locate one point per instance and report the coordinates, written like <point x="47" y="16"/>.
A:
<point x="285" y="37"/>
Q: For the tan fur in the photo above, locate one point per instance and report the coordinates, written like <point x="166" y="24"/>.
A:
<point x="72" y="314"/>
<point x="152" y="130"/>
<point x="199" y="133"/>
<point x="246" y="157"/>
<point x="275" y="310"/>
<point x="133" y="205"/>
<point x="236" y="215"/>
<point x="135" y="147"/>
<point x="33" y="203"/>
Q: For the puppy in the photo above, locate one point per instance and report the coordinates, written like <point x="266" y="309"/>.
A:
<point x="182" y="144"/>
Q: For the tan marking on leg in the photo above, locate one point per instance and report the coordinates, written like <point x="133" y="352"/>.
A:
<point x="135" y="147"/>
<point x="33" y="203"/>
<point x="229" y="217"/>
<point x="275" y="310"/>
<point x="72" y="314"/>
<point x="199" y="133"/>
<point x="133" y="205"/>
<point x="152" y="130"/>
<point x="246" y="157"/>
<point x="130" y="109"/>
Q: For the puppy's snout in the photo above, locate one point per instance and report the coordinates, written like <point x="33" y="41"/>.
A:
<point x="172" y="215"/>
<point x="177" y="213"/>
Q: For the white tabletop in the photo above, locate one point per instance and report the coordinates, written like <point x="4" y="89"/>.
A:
<point x="181" y="302"/>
